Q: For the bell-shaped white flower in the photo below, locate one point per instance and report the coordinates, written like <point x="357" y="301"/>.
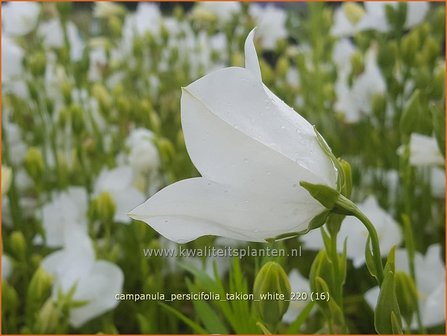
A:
<point x="298" y="284"/>
<point x="53" y="37"/>
<point x="387" y="229"/>
<point x="252" y="151"/>
<point x="96" y="281"/>
<point x="118" y="182"/>
<point x="20" y="18"/>
<point x="424" y="151"/>
<point x="430" y="281"/>
<point x="66" y="211"/>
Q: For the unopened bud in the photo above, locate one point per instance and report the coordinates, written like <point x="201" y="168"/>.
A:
<point x="103" y="207"/>
<point x="407" y="297"/>
<point x="18" y="245"/>
<point x="353" y="11"/>
<point x="34" y="163"/>
<point x="272" y="289"/>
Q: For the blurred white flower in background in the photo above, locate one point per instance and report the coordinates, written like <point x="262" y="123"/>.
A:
<point x="105" y="9"/>
<point x="298" y="284"/>
<point x="437" y="177"/>
<point x="20" y="18"/>
<point x="118" y="182"/>
<point x="66" y="211"/>
<point x="351" y="18"/>
<point x="424" y="151"/>
<point x="252" y="150"/>
<point x="224" y="11"/>
<point x="6" y="267"/>
<point x="53" y="37"/>
<point x="270" y="22"/>
<point x="346" y="17"/>
<point x="341" y="55"/>
<point x="375" y="16"/>
<point x="388" y="231"/>
<point x="146" y="19"/>
<point x="430" y="281"/>
<point x="96" y="281"/>
<point x="14" y="140"/>
<point x="356" y="101"/>
<point x="12" y="58"/>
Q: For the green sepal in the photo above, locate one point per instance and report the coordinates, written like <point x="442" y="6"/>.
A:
<point x="325" y="195"/>
<point x="315" y="223"/>
<point x="328" y="151"/>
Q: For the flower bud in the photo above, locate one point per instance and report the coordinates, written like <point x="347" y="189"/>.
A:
<point x="387" y="318"/>
<point x="66" y="89"/>
<point x="38" y="290"/>
<point x="282" y="66"/>
<point x="77" y="118"/>
<point x="48" y="317"/>
<point x="102" y="96"/>
<point x="166" y="148"/>
<point x="237" y="59"/>
<point x="10" y="299"/>
<point x="103" y="207"/>
<point x="409" y="46"/>
<point x="115" y="26"/>
<point x="357" y="63"/>
<point x="34" y="163"/>
<point x="387" y="54"/>
<point x="37" y="63"/>
<point x="431" y="51"/>
<point x="272" y="289"/>
<point x="406" y="294"/>
<point x="353" y="11"/>
<point x="18" y="245"/>
<point x="438" y="85"/>
<point x="411" y="114"/>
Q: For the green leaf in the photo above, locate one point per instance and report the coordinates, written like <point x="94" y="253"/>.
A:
<point x="193" y="325"/>
<point x="207" y="314"/>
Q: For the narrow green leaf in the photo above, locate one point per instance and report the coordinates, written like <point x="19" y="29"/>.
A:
<point x="193" y="325"/>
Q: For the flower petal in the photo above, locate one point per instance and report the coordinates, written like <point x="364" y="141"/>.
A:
<point x="196" y="207"/>
<point x="99" y="287"/>
<point x="245" y="130"/>
<point x="251" y="58"/>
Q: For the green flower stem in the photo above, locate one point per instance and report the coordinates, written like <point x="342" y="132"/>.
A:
<point x="338" y="295"/>
<point x="348" y="207"/>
